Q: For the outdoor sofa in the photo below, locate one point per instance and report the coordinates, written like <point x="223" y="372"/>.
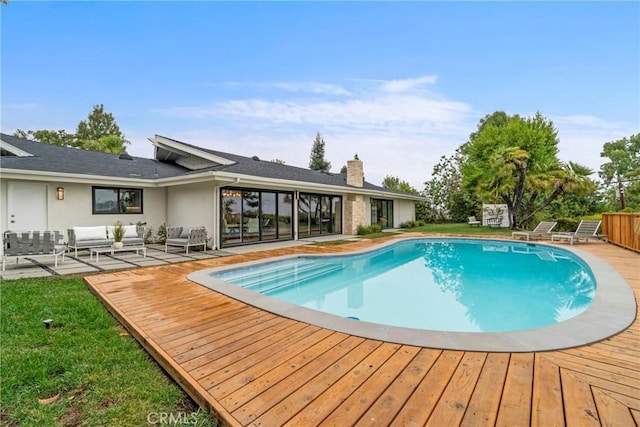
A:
<point x="100" y="236"/>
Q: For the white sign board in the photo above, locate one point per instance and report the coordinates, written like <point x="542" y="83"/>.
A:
<point x="495" y="215"/>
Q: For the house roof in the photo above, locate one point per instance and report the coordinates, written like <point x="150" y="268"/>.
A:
<point x="64" y="160"/>
<point x="253" y="166"/>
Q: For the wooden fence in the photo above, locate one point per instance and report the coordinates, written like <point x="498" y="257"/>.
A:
<point x="622" y="229"/>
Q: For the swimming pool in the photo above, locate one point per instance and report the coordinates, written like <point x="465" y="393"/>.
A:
<point x="463" y="289"/>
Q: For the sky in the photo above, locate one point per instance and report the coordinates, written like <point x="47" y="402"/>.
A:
<point x="400" y="84"/>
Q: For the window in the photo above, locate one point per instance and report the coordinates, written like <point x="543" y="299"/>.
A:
<point x="107" y="200"/>
<point x="319" y="214"/>
<point x="382" y="212"/>
<point x="251" y="216"/>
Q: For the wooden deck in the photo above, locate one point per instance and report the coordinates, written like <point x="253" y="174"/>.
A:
<point x="251" y="367"/>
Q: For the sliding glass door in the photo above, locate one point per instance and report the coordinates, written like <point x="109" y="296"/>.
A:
<point x="251" y="216"/>
<point x="319" y="214"/>
<point x="382" y="212"/>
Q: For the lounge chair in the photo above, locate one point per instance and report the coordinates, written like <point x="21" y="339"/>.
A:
<point x="543" y="229"/>
<point x="473" y="221"/>
<point x="587" y="229"/>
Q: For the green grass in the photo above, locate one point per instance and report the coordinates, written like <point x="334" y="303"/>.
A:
<point x="378" y="235"/>
<point x="332" y="242"/>
<point x="466" y="229"/>
<point x="99" y="372"/>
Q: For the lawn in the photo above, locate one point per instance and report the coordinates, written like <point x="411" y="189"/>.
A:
<point x="462" y="229"/>
<point x="85" y="369"/>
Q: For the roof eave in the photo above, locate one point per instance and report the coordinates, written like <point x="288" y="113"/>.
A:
<point x="31" y="175"/>
<point x="164" y="142"/>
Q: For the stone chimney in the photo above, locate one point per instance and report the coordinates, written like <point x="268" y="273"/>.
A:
<point x="355" y="173"/>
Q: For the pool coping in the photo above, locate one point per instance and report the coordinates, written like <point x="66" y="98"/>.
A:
<point x="612" y="310"/>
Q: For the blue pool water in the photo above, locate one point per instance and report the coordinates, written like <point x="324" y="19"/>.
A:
<point x="460" y="285"/>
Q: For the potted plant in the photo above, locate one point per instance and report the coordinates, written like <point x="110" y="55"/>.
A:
<point x="118" y="235"/>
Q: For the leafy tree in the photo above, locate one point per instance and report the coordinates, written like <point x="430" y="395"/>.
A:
<point x="112" y="144"/>
<point x="446" y="198"/>
<point x="60" y="137"/>
<point x="623" y="169"/>
<point x="98" y="133"/>
<point x="515" y="162"/>
<point x="317" y="161"/>
<point x="99" y="124"/>
<point x="278" y="161"/>
<point x="394" y="183"/>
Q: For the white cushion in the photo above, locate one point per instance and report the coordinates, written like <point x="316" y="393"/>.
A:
<point x="110" y="229"/>
<point x="90" y="233"/>
<point x="130" y="231"/>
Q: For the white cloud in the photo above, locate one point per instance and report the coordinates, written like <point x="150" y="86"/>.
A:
<point x="407" y="85"/>
<point x="582" y="137"/>
<point x="397" y="127"/>
<point x="296" y="87"/>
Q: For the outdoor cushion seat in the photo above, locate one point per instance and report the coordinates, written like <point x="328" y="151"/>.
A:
<point x="32" y="243"/>
<point x="186" y="237"/>
<point x="102" y="236"/>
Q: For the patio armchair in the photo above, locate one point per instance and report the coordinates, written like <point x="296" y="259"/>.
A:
<point x="186" y="237"/>
<point x="542" y="229"/>
<point x="30" y="244"/>
<point x="587" y="229"/>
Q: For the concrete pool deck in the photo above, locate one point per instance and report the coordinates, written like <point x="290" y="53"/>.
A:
<point x="612" y="310"/>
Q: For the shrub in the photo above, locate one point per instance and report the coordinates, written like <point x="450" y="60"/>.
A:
<point x="161" y="234"/>
<point x="148" y="235"/>
<point x="371" y="229"/>
<point x="567" y="224"/>
<point x="413" y="224"/>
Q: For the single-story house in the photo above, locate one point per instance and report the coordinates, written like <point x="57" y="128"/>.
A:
<point x="239" y="199"/>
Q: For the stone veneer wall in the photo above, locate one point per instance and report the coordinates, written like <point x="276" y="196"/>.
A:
<point x="355" y="173"/>
<point x="354" y="213"/>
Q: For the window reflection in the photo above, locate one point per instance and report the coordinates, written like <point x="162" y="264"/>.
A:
<point x="253" y="216"/>
<point x="319" y="214"/>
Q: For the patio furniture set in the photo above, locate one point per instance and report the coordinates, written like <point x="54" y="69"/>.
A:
<point x="100" y="239"/>
<point x="97" y="239"/>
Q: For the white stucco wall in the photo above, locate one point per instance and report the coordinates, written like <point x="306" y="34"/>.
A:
<point x="192" y="205"/>
<point x="403" y="211"/>
<point x="76" y="209"/>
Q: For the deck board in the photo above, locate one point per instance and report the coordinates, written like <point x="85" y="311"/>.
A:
<point x="251" y="367"/>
